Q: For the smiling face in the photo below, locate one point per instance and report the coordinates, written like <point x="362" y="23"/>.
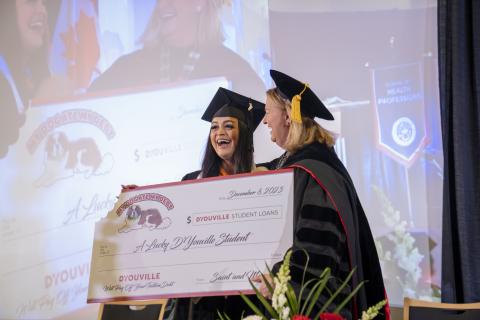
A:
<point x="224" y="133"/>
<point x="277" y="120"/>
<point x="31" y="23"/>
<point x="179" y="20"/>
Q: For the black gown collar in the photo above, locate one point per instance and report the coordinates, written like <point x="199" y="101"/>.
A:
<point x="320" y="152"/>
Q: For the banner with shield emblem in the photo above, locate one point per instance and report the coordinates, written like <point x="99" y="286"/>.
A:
<point x="400" y="111"/>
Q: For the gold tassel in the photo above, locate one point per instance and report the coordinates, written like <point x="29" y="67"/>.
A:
<point x="296" y="114"/>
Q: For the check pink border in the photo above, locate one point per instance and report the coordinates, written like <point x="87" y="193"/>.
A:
<point x="190" y="294"/>
<point x="170" y="296"/>
<point x="235" y="176"/>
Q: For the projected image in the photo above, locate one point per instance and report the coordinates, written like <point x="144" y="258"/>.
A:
<point x="24" y="67"/>
<point x="182" y="40"/>
<point x="99" y="94"/>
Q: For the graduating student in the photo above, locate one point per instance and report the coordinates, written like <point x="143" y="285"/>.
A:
<point x="329" y="222"/>
<point x="24" y="69"/>
<point x="23" y="63"/>
<point x="229" y="150"/>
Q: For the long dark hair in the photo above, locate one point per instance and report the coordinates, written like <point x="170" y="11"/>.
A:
<point x="242" y="156"/>
<point x="10" y="46"/>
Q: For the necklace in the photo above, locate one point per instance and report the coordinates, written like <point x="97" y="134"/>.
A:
<point x="282" y="160"/>
<point x="177" y="64"/>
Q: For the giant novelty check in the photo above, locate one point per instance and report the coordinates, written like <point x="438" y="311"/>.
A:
<point x="195" y="238"/>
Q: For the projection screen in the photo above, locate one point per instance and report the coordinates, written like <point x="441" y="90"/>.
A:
<point x="99" y="94"/>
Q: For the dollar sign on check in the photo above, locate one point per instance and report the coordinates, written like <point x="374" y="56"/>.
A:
<point x="189" y="219"/>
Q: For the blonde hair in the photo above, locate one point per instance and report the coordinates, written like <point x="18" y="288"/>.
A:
<point x="209" y="29"/>
<point x="301" y="134"/>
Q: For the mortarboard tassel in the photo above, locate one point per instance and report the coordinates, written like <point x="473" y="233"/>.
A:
<point x="296" y="114"/>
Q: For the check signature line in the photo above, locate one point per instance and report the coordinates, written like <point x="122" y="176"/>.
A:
<point x="220" y="281"/>
<point x="190" y="263"/>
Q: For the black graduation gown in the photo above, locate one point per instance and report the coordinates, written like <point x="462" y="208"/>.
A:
<point x="143" y="68"/>
<point x="330" y="224"/>
<point x="191" y="176"/>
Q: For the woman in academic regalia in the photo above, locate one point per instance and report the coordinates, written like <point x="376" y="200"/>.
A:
<point x="229" y="150"/>
<point x="229" y="147"/>
<point x="329" y="222"/>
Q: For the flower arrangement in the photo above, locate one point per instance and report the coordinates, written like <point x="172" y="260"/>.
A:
<point x="285" y="305"/>
<point x="405" y="255"/>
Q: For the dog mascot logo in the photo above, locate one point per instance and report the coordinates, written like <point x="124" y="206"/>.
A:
<point x="64" y="158"/>
<point x="136" y="218"/>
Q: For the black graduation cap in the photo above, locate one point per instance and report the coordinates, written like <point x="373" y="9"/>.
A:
<point x="310" y="105"/>
<point x="226" y="103"/>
